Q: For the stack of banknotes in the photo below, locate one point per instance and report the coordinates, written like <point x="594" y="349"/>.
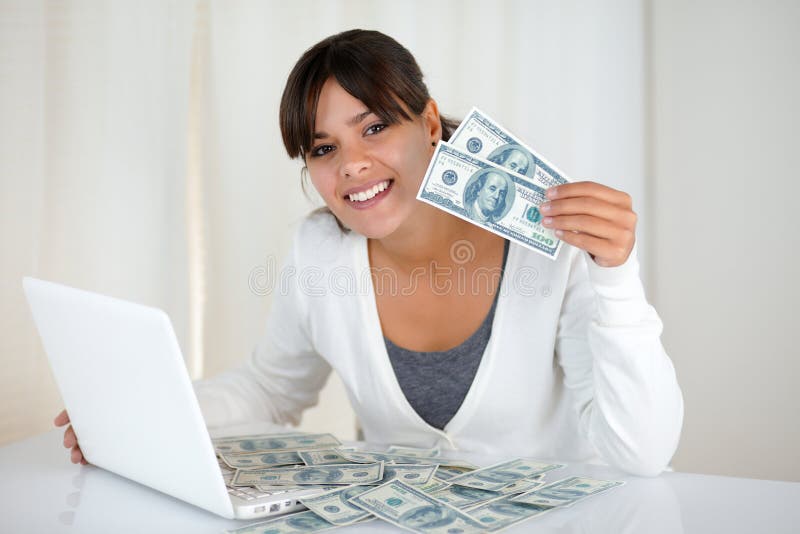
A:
<point x="487" y="176"/>
<point x="414" y="489"/>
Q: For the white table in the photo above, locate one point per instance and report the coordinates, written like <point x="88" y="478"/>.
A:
<point x="42" y="492"/>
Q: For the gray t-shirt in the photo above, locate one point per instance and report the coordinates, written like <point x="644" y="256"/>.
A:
<point x="436" y="383"/>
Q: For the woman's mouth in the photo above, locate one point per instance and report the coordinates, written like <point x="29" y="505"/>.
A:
<point x="369" y="196"/>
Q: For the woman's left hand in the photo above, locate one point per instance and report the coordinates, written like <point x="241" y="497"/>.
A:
<point x="592" y="217"/>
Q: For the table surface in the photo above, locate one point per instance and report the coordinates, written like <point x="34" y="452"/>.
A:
<point x="41" y="491"/>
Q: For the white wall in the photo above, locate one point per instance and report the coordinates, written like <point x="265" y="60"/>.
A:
<point x="92" y="137"/>
<point x="725" y="135"/>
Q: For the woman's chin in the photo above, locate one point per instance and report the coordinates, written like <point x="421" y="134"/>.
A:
<point x="372" y="225"/>
<point x="375" y="227"/>
<point x="371" y="231"/>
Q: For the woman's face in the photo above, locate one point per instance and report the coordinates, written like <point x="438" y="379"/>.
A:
<point x="368" y="172"/>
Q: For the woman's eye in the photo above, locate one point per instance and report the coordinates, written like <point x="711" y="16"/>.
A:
<point x="376" y="128"/>
<point x="321" y="150"/>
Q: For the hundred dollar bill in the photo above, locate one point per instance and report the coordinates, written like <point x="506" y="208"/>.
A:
<point x="388" y="458"/>
<point x="483" y="137"/>
<point x="413" y="451"/>
<point x="225" y="468"/>
<point x="489" y="196"/>
<point x="501" y="513"/>
<point x="261" y="460"/>
<point x="431" y="486"/>
<point x="227" y="440"/>
<point x="463" y="496"/>
<point x="323" y="457"/>
<point x="343" y="474"/>
<point x="523" y="486"/>
<point x="450" y="462"/>
<point x="239" y="437"/>
<point x="566" y="492"/>
<point x="414" y="474"/>
<point x="368" y="457"/>
<point x="498" y="476"/>
<point x="447" y="472"/>
<point x="303" y="522"/>
<point x="409" y="508"/>
<point x="287" y="488"/>
<point x="277" y="444"/>
<point x="335" y="507"/>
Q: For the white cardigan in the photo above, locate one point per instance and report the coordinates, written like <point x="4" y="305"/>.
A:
<point x="574" y="369"/>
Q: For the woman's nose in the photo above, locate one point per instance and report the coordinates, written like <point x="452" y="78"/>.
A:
<point x="355" y="161"/>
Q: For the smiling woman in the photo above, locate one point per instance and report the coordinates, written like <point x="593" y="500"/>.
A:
<point x="355" y="153"/>
<point x="571" y="367"/>
<point x="356" y="85"/>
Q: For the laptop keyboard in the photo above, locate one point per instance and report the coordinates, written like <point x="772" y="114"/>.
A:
<point x="251" y="494"/>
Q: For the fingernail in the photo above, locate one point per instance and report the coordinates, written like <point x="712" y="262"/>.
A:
<point x="551" y="193"/>
<point x="544" y="206"/>
<point x="547" y="221"/>
<point x="559" y="233"/>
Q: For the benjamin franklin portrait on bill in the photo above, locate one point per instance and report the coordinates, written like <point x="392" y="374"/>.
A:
<point x="489" y="195"/>
<point x="513" y="157"/>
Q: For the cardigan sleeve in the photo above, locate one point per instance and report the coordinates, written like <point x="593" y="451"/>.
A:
<point x="623" y="384"/>
<point x="282" y="376"/>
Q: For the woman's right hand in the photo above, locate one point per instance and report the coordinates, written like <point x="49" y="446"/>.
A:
<point x="70" y="439"/>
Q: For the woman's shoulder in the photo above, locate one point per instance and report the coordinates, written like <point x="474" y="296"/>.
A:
<point x="319" y="238"/>
<point x="318" y="222"/>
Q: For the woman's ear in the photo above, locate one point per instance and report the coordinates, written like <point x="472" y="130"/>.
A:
<point x="432" y="121"/>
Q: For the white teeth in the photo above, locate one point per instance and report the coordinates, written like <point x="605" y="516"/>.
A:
<point x="369" y="193"/>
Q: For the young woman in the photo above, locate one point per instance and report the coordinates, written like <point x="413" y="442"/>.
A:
<point x="552" y="359"/>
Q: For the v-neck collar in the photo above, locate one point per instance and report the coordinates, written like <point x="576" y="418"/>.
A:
<point x="488" y="319"/>
<point x="384" y="364"/>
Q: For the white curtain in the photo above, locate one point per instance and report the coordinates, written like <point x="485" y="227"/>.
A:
<point x="93" y="133"/>
<point x="140" y="154"/>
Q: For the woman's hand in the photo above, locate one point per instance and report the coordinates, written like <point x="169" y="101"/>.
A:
<point x="594" y="218"/>
<point x="70" y="439"/>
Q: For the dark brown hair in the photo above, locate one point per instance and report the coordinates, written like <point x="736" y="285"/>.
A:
<point x="369" y="65"/>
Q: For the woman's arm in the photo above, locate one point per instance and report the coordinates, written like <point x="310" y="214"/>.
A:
<point x="282" y="376"/>
<point x="623" y="383"/>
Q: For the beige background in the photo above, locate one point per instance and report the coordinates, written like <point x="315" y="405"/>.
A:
<point x="724" y="136"/>
<point x="140" y="156"/>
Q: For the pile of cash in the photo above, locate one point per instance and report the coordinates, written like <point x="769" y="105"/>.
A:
<point x="415" y="489"/>
<point x="488" y="177"/>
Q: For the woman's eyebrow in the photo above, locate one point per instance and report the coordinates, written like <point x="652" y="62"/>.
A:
<point x="358" y="118"/>
<point x="351" y="122"/>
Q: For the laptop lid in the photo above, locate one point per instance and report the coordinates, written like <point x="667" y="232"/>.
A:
<point x="123" y="380"/>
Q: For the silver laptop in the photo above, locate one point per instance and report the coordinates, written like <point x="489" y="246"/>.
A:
<point x="124" y="383"/>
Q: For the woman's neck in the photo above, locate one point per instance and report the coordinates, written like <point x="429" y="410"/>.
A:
<point x="427" y="235"/>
